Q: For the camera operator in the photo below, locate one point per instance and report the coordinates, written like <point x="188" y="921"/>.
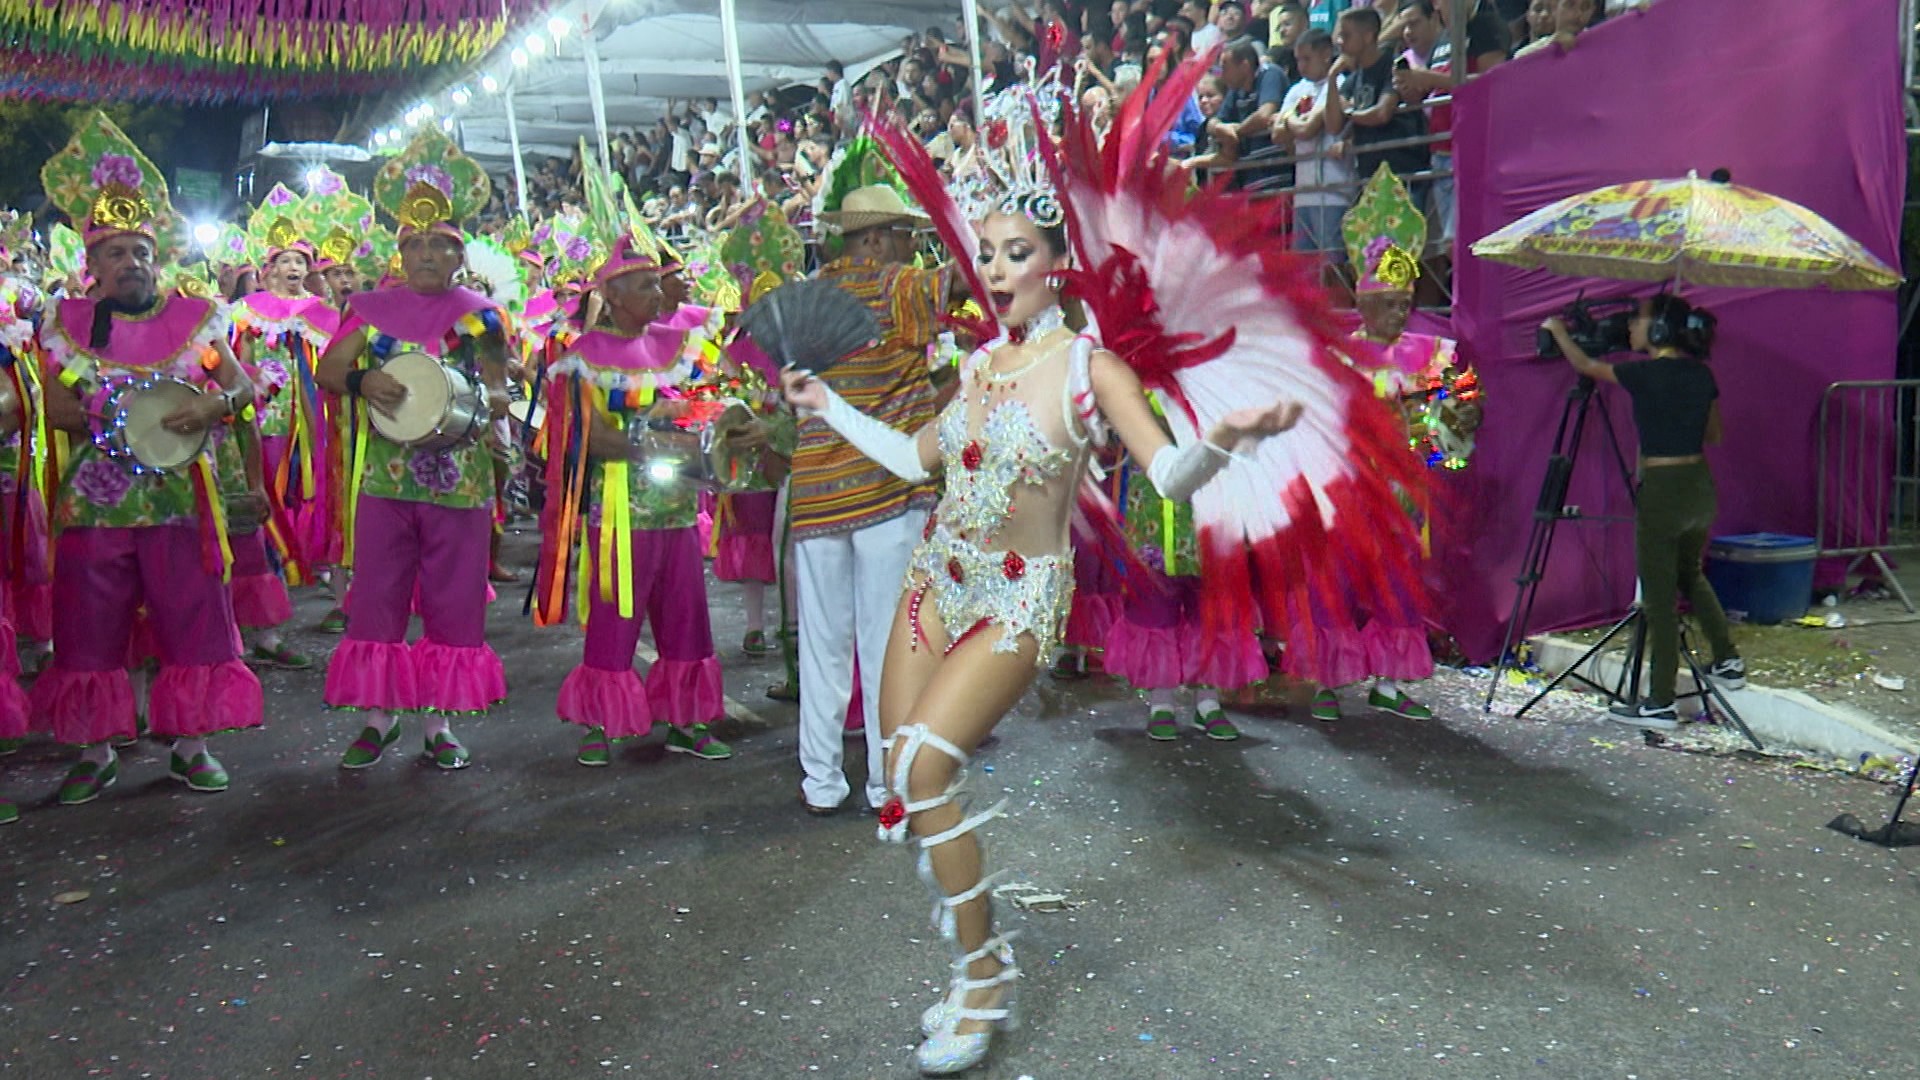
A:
<point x="1677" y="415"/>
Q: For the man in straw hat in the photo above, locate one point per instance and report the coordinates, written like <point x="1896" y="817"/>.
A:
<point x="130" y="534"/>
<point x="853" y="524"/>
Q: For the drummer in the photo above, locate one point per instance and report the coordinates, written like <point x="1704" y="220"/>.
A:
<point x="637" y="525"/>
<point x="125" y="538"/>
<point x="421" y="519"/>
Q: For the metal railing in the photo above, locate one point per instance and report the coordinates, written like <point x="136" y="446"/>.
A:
<point x="1868" y="474"/>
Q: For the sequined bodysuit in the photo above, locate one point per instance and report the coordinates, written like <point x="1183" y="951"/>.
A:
<point x="996" y="551"/>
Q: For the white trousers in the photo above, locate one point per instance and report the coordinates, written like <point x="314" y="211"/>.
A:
<point x="850" y="586"/>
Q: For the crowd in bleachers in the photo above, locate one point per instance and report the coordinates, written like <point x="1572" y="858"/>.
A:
<point x="1306" y="98"/>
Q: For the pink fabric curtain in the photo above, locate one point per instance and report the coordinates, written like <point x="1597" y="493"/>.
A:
<point x="1796" y="100"/>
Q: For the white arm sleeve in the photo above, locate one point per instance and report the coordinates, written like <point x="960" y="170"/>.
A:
<point x="896" y="451"/>
<point x="1179" y="471"/>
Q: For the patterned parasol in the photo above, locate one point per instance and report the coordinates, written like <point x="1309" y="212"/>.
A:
<point x="1701" y="231"/>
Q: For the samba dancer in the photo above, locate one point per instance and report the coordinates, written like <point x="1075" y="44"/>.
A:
<point x="278" y="333"/>
<point x="125" y="538"/>
<point x="639" y="553"/>
<point x="1425" y="393"/>
<point x="421" y="517"/>
<point x="16" y="335"/>
<point x="990" y="586"/>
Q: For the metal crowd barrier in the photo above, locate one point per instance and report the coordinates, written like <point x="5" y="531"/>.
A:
<point x="1868" y="479"/>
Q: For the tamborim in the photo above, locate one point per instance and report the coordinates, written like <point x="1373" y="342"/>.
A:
<point x="443" y="408"/>
<point x="135" y="435"/>
<point x="697" y="451"/>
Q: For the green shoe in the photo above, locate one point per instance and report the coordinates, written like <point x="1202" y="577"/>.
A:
<point x="9" y="813"/>
<point x="121" y="742"/>
<point x="203" y="773"/>
<point x="595" y="750"/>
<point x="1216" y="725"/>
<point x="279" y="656"/>
<point x="1399" y="705"/>
<point x="334" y="622"/>
<point x="1325" y="707"/>
<point x="369" y="746"/>
<point x="1161" y="726"/>
<point x="695" y="740"/>
<point x="86" y="780"/>
<point x="755" y="643"/>
<point x="446" y="752"/>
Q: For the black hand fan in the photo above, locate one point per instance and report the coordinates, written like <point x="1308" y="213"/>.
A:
<point x="810" y="324"/>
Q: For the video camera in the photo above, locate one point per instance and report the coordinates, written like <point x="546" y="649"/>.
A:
<point x="1598" y="326"/>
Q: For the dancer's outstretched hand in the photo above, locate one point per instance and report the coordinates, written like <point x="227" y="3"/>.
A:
<point x="1255" y="423"/>
<point x="803" y="390"/>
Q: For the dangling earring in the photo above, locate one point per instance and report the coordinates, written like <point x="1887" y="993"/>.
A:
<point x="1056" y="280"/>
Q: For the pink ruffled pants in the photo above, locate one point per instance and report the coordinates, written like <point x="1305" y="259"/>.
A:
<point x="683" y="687"/>
<point x="101" y="577"/>
<point x="1377" y="650"/>
<point x="260" y="600"/>
<point x="1159" y="642"/>
<point x="451" y="669"/>
<point x="15" y="710"/>
<point x="746" y="537"/>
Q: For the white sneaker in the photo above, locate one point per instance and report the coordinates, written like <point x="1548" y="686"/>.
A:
<point x="1729" y="674"/>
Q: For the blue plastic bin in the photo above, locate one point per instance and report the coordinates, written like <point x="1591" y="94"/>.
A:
<point x="1765" y="577"/>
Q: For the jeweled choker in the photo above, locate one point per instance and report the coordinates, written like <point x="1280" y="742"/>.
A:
<point x="1039" y="326"/>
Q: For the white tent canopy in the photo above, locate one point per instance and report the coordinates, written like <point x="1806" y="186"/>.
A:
<point x="651" y="51"/>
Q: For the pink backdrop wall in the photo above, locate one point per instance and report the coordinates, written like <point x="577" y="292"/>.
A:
<point x="1798" y="99"/>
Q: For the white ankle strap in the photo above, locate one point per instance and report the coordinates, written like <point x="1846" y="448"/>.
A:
<point x="966" y="825"/>
<point x="985" y="883"/>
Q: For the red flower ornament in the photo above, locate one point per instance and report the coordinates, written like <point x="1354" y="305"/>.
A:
<point x="1013" y="566"/>
<point x="954" y="571"/>
<point x="892" y="812"/>
<point x="996" y="133"/>
<point x="970" y="455"/>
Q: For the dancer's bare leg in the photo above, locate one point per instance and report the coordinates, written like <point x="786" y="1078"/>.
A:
<point x="958" y="698"/>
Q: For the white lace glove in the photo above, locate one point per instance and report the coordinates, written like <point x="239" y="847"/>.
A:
<point x="896" y="451"/>
<point x="1179" y="471"/>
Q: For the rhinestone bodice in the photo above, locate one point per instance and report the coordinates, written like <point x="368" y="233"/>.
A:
<point x="984" y="467"/>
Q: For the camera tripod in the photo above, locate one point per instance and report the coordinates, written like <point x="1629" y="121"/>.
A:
<point x="1625" y="689"/>
<point x="1551" y="509"/>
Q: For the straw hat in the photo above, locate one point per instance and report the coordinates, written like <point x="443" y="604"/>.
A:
<point x="871" y="207"/>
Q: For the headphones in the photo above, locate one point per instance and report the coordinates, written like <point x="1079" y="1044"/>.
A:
<point x="1676" y="323"/>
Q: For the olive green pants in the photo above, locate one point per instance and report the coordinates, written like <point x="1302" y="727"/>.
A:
<point x="1676" y="511"/>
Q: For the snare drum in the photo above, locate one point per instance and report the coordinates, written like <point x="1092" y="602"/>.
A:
<point x="698" y="453"/>
<point x="135" y="435"/>
<point x="443" y="408"/>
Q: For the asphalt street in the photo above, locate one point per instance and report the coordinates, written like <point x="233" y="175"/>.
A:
<point x="1475" y="897"/>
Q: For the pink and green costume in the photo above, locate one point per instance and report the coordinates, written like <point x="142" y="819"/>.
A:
<point x="628" y="544"/>
<point x="126" y="540"/>
<point x="418" y="520"/>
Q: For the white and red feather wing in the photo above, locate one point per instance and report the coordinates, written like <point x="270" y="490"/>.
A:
<point x="1197" y="292"/>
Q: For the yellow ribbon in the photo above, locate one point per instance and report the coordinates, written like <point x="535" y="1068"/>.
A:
<point x="360" y="426"/>
<point x="1166" y="534"/>
<point x="216" y="508"/>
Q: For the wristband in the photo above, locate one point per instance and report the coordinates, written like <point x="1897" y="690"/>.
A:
<point x="354" y="379"/>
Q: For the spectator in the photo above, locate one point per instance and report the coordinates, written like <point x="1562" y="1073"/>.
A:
<point x="1230" y="18"/>
<point x="1369" y="103"/>
<point x="1537" y="25"/>
<point x="1255" y="92"/>
<point x="1430" y="71"/>
<point x="1570" y="19"/>
<point x="1202" y="33"/>
<point x="1324" y="176"/>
